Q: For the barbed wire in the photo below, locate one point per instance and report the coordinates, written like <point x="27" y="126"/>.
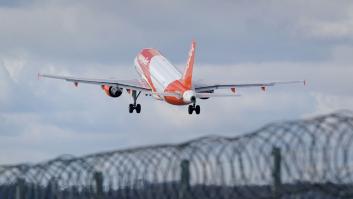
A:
<point x="297" y="159"/>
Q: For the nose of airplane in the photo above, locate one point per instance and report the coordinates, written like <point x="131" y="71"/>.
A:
<point x="189" y="96"/>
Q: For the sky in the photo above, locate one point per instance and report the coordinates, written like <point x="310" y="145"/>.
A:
<point x="238" y="41"/>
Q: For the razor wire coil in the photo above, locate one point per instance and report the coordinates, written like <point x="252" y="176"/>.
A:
<point x="296" y="159"/>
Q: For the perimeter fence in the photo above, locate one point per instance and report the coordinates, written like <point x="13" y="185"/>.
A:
<point x="297" y="159"/>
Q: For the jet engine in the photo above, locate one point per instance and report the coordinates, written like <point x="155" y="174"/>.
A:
<point x="112" y="91"/>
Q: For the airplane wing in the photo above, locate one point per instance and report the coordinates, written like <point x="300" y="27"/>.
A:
<point x="132" y="84"/>
<point x="127" y="84"/>
<point x="209" y="88"/>
<point x="207" y="95"/>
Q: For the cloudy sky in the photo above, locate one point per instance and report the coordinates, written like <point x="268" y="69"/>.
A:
<point x="238" y="42"/>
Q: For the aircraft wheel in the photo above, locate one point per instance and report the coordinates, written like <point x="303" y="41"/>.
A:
<point x="190" y="109"/>
<point x="197" y="109"/>
<point x="131" y="108"/>
<point x="138" y="108"/>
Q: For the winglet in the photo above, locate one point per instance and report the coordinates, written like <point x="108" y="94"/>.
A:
<point x="187" y="76"/>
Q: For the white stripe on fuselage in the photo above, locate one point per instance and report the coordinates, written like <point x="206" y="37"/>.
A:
<point x="162" y="73"/>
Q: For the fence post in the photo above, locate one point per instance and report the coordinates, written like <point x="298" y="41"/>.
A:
<point x="35" y="194"/>
<point x="20" y="185"/>
<point x="54" y="188"/>
<point x="98" y="178"/>
<point x="276" y="173"/>
<point x="184" y="179"/>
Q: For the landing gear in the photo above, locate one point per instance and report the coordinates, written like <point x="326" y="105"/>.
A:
<point x="190" y="109"/>
<point x="135" y="106"/>
<point x="138" y="108"/>
<point x="131" y="108"/>
<point x="197" y="109"/>
<point x="193" y="108"/>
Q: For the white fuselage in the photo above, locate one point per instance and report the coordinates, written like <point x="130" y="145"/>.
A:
<point x="159" y="74"/>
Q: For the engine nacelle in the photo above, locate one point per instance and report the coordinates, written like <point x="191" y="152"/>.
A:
<point x="210" y="91"/>
<point x="112" y="91"/>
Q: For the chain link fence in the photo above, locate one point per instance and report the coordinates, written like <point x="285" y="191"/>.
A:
<point x="297" y="159"/>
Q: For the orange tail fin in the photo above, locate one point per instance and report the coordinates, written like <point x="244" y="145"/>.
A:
<point x="187" y="76"/>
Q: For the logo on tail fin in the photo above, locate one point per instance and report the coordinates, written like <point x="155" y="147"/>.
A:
<point x="187" y="76"/>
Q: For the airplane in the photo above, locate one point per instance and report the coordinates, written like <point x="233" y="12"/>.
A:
<point x="161" y="80"/>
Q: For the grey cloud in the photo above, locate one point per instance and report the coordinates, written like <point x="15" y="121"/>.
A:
<point x="6" y="85"/>
<point x="110" y="32"/>
<point x="15" y="3"/>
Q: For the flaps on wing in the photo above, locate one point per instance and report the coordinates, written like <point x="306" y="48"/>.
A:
<point x="204" y="88"/>
<point x="128" y="84"/>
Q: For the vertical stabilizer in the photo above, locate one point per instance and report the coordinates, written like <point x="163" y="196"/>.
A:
<point x="187" y="76"/>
